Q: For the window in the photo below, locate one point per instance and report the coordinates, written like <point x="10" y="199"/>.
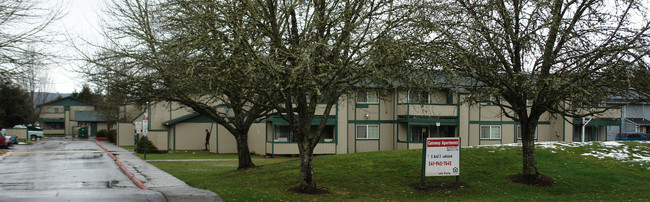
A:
<point x="53" y="125"/>
<point x="327" y="135"/>
<point x="419" y="133"/>
<point x="518" y="132"/>
<point x="490" y="132"/>
<point x="283" y="134"/>
<point x="529" y="103"/>
<point x="367" y="97"/>
<point x="490" y="100"/>
<point x="367" y="131"/>
<point x="418" y="97"/>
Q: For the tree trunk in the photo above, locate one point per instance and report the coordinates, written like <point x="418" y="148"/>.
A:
<point x="307" y="182"/>
<point x="530" y="171"/>
<point x="243" y="153"/>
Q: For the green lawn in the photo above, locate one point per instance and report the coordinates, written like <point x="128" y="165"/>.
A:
<point x="387" y="175"/>
<point x="187" y="155"/>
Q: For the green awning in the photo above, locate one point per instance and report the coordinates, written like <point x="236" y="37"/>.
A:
<point x="599" y="122"/>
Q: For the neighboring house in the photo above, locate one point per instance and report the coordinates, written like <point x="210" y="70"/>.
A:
<point x="65" y="115"/>
<point x="639" y="125"/>
<point x="361" y="123"/>
<point x="636" y="118"/>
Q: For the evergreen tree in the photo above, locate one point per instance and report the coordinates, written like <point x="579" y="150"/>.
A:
<point x="16" y="107"/>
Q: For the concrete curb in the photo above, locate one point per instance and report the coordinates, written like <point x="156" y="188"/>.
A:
<point x="158" y="180"/>
<point x="126" y="171"/>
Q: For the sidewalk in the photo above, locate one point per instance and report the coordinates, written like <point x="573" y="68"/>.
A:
<point x="158" y="180"/>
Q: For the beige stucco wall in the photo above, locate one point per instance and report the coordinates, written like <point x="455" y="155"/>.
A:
<point x="508" y="133"/>
<point x="49" y="109"/>
<point x="427" y="110"/>
<point x="256" y="138"/>
<point x="159" y="113"/>
<point x="372" y="112"/>
<point x="386" y="137"/>
<point x="367" y="145"/>
<point x="52" y="115"/>
<point x="125" y="133"/>
<point x="159" y="139"/>
<point x="227" y="142"/>
<point x="489" y="113"/>
<point x="387" y="107"/>
<point x="463" y="129"/>
<point x="20" y="133"/>
<point x="342" y="129"/>
<point x="191" y="136"/>
<point x="102" y="126"/>
<point x="177" y="110"/>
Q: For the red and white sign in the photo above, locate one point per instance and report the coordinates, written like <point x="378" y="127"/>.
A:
<point x="138" y="127"/>
<point x="442" y="157"/>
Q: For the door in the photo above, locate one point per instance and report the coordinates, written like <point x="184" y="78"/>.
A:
<point x="93" y="129"/>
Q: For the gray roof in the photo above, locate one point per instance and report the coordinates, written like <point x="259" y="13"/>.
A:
<point x="639" y="121"/>
<point x="87" y="116"/>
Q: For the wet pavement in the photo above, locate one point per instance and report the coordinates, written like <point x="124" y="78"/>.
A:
<point x="63" y="169"/>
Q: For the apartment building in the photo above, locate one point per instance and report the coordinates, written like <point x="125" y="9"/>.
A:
<point x="65" y="115"/>
<point x="363" y="122"/>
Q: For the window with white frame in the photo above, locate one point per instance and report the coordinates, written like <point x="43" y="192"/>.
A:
<point x="420" y="97"/>
<point x="367" y="131"/>
<point x="518" y="131"/>
<point x="490" y="132"/>
<point x="367" y="98"/>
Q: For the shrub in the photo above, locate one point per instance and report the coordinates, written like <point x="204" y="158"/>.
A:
<point x="101" y="133"/>
<point x="111" y="135"/>
<point x="144" y="141"/>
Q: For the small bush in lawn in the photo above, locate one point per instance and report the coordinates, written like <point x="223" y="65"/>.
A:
<point x="101" y="133"/>
<point x="111" y="135"/>
<point x="144" y="141"/>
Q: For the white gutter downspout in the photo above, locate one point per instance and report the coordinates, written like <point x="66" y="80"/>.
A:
<point x="584" y="124"/>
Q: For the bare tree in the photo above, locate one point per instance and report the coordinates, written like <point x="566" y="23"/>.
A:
<point x="187" y="52"/>
<point x="555" y="54"/>
<point x="315" y="52"/>
<point x="22" y="23"/>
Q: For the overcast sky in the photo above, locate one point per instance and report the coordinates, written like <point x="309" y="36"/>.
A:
<point x="81" y="21"/>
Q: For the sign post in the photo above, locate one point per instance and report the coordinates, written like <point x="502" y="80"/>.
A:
<point x="136" y="136"/>
<point x="145" y="129"/>
<point x="441" y="157"/>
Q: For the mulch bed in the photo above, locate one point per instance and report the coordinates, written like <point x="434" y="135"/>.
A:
<point x="543" y="181"/>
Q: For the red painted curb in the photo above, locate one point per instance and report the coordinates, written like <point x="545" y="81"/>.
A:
<point x="126" y="171"/>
